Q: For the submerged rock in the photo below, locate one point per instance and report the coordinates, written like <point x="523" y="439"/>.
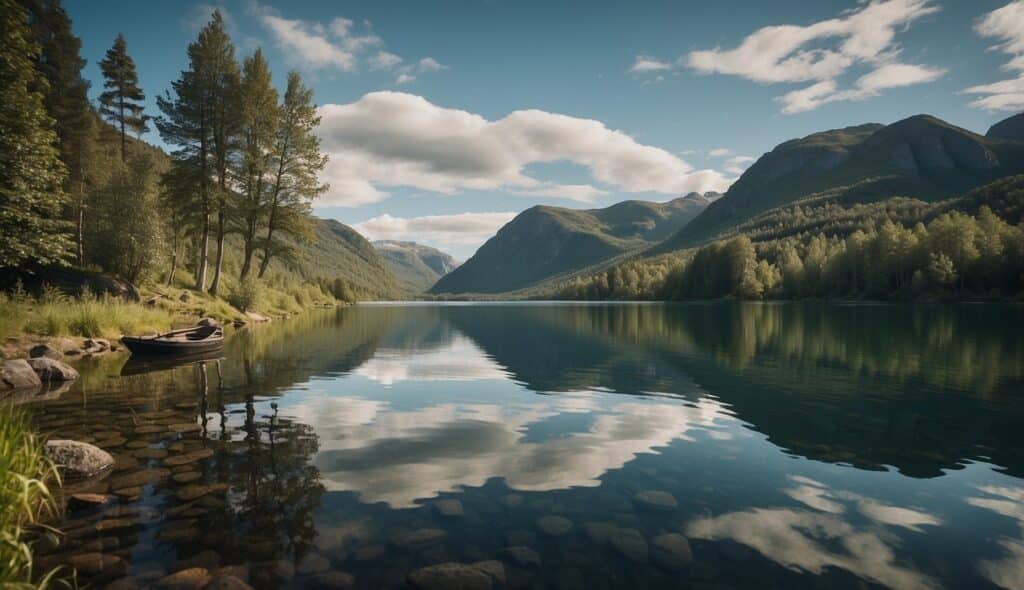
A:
<point x="18" y="374"/>
<point x="655" y="500"/>
<point x="494" y="569"/>
<point x="139" y="478"/>
<point x="449" y="507"/>
<point x="418" y="538"/>
<point x="332" y="581"/>
<point x="189" y="579"/>
<point x="78" y="459"/>
<point x="630" y="544"/>
<point x="83" y="501"/>
<point x="450" y="576"/>
<point x="92" y="564"/>
<point x="521" y="556"/>
<point x="671" y="551"/>
<point x="227" y="582"/>
<point x="554" y="526"/>
<point x="52" y="370"/>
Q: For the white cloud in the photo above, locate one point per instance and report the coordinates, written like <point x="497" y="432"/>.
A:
<point x="584" y="193"/>
<point x="822" y="52"/>
<point x="459" y="230"/>
<point x="1006" y="25"/>
<point x="339" y="45"/>
<point x="644" y="64"/>
<point x="720" y="152"/>
<point x="389" y="139"/>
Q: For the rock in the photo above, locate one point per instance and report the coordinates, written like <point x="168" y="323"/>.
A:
<point x="314" y="564"/>
<point x="450" y="576"/>
<point x="332" y="581"/>
<point x="52" y="370"/>
<point x="45" y="351"/>
<point x="494" y="570"/>
<point x="94" y="345"/>
<point x="150" y="429"/>
<point x="630" y="544"/>
<point x="254" y="317"/>
<point x="129" y="494"/>
<point x="184" y="297"/>
<point x="600" y="532"/>
<point x="185" y="427"/>
<point x="655" y="500"/>
<point x="208" y="321"/>
<point x="139" y="478"/>
<point x="418" y="538"/>
<point x="188" y="579"/>
<point x="84" y="501"/>
<point x="671" y="551"/>
<point x="449" y="508"/>
<point x="92" y="564"/>
<point x="208" y="559"/>
<point x="196" y="490"/>
<point x="522" y="556"/>
<point x="227" y="582"/>
<point x="18" y="374"/>
<point x="78" y="459"/>
<point x="186" y="477"/>
<point x="554" y="526"/>
<point x="186" y="458"/>
<point x="150" y="454"/>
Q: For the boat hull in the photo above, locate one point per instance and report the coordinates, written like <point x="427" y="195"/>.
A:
<point x="153" y="346"/>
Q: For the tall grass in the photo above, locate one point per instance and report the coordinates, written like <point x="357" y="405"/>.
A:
<point x="54" y="314"/>
<point x="24" y="498"/>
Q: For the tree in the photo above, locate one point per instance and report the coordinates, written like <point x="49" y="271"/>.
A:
<point x="258" y="126"/>
<point x="31" y="173"/>
<point x="66" y="99"/>
<point x="121" y="102"/>
<point x="297" y="163"/>
<point x="193" y="120"/>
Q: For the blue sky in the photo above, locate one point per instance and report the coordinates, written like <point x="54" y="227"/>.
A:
<point x="444" y="119"/>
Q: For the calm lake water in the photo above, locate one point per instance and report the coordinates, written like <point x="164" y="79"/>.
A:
<point x="718" y="445"/>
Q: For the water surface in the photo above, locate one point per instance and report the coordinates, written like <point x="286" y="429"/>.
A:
<point x="794" y="446"/>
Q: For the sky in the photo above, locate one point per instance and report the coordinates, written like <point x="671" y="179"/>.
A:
<point x="445" y="119"/>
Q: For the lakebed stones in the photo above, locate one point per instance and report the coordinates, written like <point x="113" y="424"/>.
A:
<point x="449" y="508"/>
<point x="86" y="501"/>
<point x="188" y="579"/>
<point x="494" y="569"/>
<point x="50" y="370"/>
<point x="331" y="581"/>
<point x="554" y="526"/>
<point x="18" y="374"/>
<point x="194" y="491"/>
<point x="94" y="564"/>
<point x="229" y="582"/>
<point x="187" y="458"/>
<point x="630" y="544"/>
<point x="655" y="500"/>
<point x="521" y="556"/>
<point x="671" y="551"/>
<point x="450" y="576"/>
<point x="139" y="478"/>
<point x="78" y="459"/>
<point x="418" y="538"/>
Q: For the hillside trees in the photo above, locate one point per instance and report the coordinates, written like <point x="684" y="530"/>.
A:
<point x="32" y="175"/>
<point x="121" y="102"/>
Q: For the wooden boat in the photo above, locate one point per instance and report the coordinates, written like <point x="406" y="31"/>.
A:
<point x="148" y="363"/>
<point x="183" y="341"/>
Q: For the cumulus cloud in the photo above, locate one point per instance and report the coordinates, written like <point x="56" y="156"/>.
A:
<point x="459" y="230"/>
<point x="390" y="139"/>
<point x="337" y="45"/>
<point x="1006" y="26"/>
<point x="822" y="52"/>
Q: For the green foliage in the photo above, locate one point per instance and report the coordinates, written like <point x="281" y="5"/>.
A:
<point x="89" y="316"/>
<point x="24" y="498"/>
<point x="31" y="173"/>
<point x="121" y="102"/>
<point x="245" y="295"/>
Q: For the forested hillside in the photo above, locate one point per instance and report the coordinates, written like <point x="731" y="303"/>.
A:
<point x="227" y="212"/>
<point x="543" y="242"/>
<point x="415" y="266"/>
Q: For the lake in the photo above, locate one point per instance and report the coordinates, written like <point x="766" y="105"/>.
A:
<point x="718" y="445"/>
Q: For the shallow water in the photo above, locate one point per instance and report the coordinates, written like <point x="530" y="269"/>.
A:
<point x="796" y="445"/>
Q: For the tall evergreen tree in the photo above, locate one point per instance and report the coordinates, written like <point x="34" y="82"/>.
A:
<point x="31" y="173"/>
<point x="121" y="102"/>
<point x="195" y="119"/>
<point x="258" y="126"/>
<point x="297" y="163"/>
<point x="66" y="98"/>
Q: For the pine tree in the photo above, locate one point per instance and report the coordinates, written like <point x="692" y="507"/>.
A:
<point x="297" y="164"/>
<point x="121" y="102"/>
<point x="193" y="119"/>
<point x="31" y="173"/>
<point x="66" y="98"/>
<point x="258" y="127"/>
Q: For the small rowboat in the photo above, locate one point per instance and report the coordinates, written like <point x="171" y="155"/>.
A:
<point x="183" y="341"/>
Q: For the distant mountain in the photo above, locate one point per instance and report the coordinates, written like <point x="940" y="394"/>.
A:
<point x="921" y="157"/>
<point x="417" y="267"/>
<point x="338" y="251"/>
<point x="543" y="242"/>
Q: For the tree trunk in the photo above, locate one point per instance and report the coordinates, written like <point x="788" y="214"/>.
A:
<point x="174" y="267"/>
<point x="266" y="254"/>
<point x="218" y="263"/>
<point x="204" y="244"/>
<point x="80" y="230"/>
<point x="247" y="262"/>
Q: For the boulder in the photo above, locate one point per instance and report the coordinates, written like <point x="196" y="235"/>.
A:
<point x="671" y="551"/>
<point x="208" y="321"/>
<point x="18" y="374"/>
<point x="184" y="297"/>
<point x="77" y="459"/>
<point x="96" y="345"/>
<point x="450" y="576"/>
<point x="49" y="370"/>
<point x="630" y="544"/>
<point x="45" y="350"/>
<point x="493" y="568"/>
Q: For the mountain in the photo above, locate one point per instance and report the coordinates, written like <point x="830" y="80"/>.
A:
<point x="1012" y="129"/>
<point x="543" y="242"/>
<point x="417" y="267"/>
<point x="337" y="251"/>
<point x="921" y="157"/>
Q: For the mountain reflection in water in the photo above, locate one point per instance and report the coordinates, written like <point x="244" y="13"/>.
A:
<point x="798" y="445"/>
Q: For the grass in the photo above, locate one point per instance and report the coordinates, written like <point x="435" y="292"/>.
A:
<point x="89" y="316"/>
<point x="25" y="499"/>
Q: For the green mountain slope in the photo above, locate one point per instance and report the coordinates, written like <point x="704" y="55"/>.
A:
<point x="544" y="242"/>
<point x="415" y="266"/>
<point x="920" y="157"/>
<point x="338" y="251"/>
